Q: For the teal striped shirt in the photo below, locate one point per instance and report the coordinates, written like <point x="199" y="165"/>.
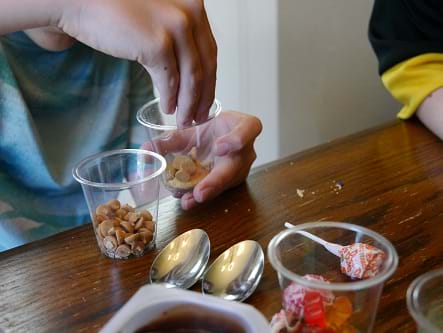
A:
<point x="55" y="109"/>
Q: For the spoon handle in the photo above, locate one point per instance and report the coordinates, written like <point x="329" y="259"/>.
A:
<point x="331" y="247"/>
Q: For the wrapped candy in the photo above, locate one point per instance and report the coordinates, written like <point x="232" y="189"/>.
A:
<point x="358" y="260"/>
<point x="280" y="324"/>
<point x="294" y="296"/>
<point x="361" y="261"/>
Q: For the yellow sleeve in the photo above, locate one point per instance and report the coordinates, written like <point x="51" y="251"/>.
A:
<point x="412" y="80"/>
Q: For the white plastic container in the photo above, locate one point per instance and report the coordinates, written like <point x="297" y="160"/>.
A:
<point x="151" y="302"/>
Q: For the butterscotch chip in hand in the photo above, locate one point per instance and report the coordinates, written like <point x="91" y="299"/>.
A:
<point x="179" y="160"/>
<point x="182" y="176"/>
<point x="185" y="171"/>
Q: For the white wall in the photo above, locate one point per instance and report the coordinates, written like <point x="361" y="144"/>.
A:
<point x="329" y="84"/>
<point x="304" y="67"/>
<point x="247" y="74"/>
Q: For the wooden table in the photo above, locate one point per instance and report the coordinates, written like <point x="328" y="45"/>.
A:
<point x="392" y="180"/>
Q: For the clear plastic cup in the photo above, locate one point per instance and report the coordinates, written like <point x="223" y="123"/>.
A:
<point x="188" y="151"/>
<point x="425" y="301"/>
<point x="121" y="188"/>
<point x="317" y="296"/>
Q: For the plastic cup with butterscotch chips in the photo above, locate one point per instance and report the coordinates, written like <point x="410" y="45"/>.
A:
<point x="188" y="150"/>
<point x="121" y="188"/>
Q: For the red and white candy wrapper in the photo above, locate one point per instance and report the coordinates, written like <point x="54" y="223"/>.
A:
<point x="361" y="261"/>
<point x="358" y="260"/>
<point x="294" y="296"/>
<point x="280" y="324"/>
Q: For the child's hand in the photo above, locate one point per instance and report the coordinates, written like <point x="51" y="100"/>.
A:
<point x="234" y="150"/>
<point x="172" y="39"/>
<point x="235" y="154"/>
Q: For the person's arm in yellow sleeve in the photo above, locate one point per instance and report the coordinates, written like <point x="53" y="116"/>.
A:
<point x="430" y="112"/>
<point x="406" y="36"/>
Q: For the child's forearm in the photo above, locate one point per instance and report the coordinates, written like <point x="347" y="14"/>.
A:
<point x="172" y="39"/>
<point x="430" y="112"/>
<point x="27" y="14"/>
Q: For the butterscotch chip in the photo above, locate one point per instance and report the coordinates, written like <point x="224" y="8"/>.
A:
<point x="120" y="235"/>
<point x="127" y="226"/>
<point x="189" y="167"/>
<point x="110" y="243"/>
<point x="114" y="226"/>
<point x="114" y="204"/>
<point x="179" y="160"/>
<point x="99" y="240"/>
<point x="103" y="210"/>
<point x="150" y="225"/>
<point x="98" y="233"/>
<point x="132" y="238"/>
<point x="137" y="248"/>
<point x="121" y="213"/>
<point x="123" y="251"/>
<point x="182" y="176"/>
<point x="111" y="231"/>
<point x="100" y="218"/>
<point x="170" y="172"/>
<point x="97" y="219"/>
<point x="116" y="221"/>
<point x="132" y="217"/>
<point x="146" y="236"/>
<point x="147" y="216"/>
<point x="193" y="153"/>
<point x="128" y="208"/>
<point x="139" y="223"/>
<point x="105" y="226"/>
<point x="198" y="175"/>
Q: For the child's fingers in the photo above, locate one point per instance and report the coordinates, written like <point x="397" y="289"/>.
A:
<point x="241" y="136"/>
<point x="190" y="76"/>
<point x="165" y="75"/>
<point x="207" y="49"/>
<point x="220" y="178"/>
<point x="188" y="201"/>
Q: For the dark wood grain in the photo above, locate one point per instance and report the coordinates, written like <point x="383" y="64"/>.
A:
<point x="393" y="184"/>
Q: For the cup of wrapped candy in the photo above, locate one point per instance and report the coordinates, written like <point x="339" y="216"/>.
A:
<point x="331" y="275"/>
<point x="188" y="150"/>
<point x="121" y="188"/>
<point x="425" y="301"/>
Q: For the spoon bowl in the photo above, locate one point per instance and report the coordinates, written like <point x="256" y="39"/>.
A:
<point x="236" y="273"/>
<point x="182" y="262"/>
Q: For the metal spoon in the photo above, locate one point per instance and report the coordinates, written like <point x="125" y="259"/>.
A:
<point x="235" y="274"/>
<point x="182" y="262"/>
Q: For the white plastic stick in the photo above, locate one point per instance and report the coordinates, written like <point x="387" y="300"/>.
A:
<point x="331" y="247"/>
